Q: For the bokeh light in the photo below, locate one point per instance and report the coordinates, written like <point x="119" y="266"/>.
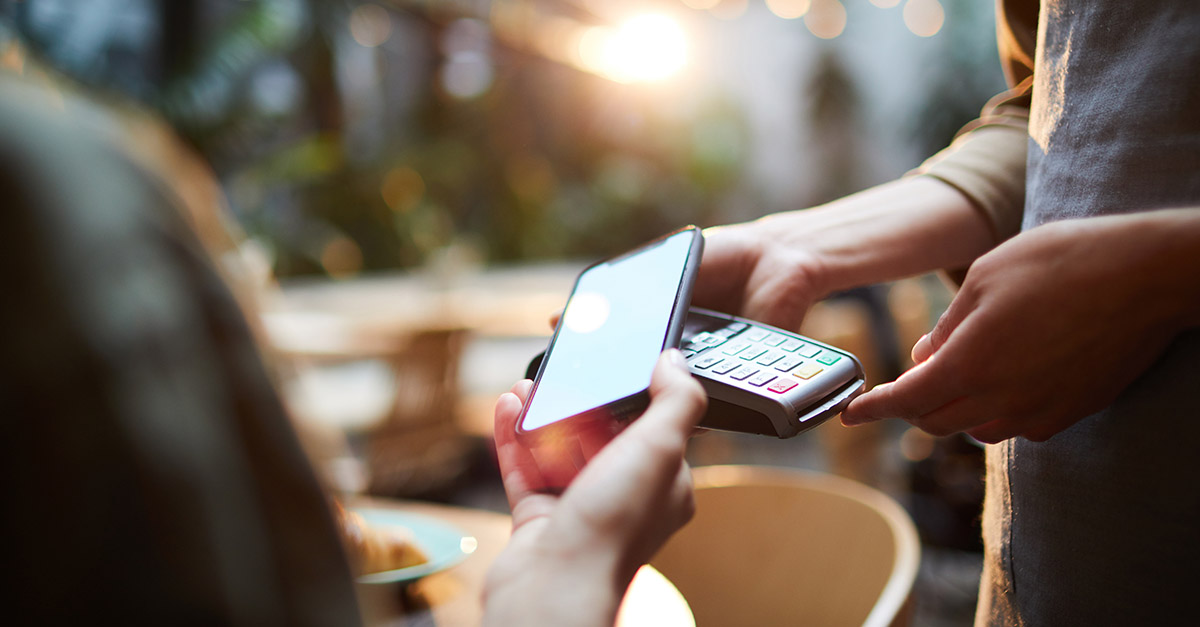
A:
<point x="729" y="9"/>
<point x="467" y="71"/>
<point x="701" y="5"/>
<point x="341" y="257"/>
<point x="924" y="17"/>
<point x="646" y="48"/>
<point x="789" y="9"/>
<point x="466" y="36"/>
<point x="531" y="178"/>
<point x="826" y="18"/>
<point x="370" y="25"/>
<point x="466" y="76"/>
<point x="402" y="189"/>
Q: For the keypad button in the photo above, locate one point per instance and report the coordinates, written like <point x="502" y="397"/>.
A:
<point x="828" y="358"/>
<point x="762" y="378"/>
<point x="809" y="351"/>
<point x="807" y="371"/>
<point x="735" y="348"/>
<point x="770" y="358"/>
<point x="757" y="335"/>
<point x="708" y="339"/>
<point x="743" y="373"/>
<point x="725" y="367"/>
<point x="774" y="339"/>
<point x="781" y="385"/>
<point x="753" y="353"/>
<point x="791" y="345"/>
<point x="787" y="363"/>
<point x="737" y="327"/>
<point x="706" y="362"/>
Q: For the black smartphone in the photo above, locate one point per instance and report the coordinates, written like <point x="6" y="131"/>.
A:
<point x="621" y="314"/>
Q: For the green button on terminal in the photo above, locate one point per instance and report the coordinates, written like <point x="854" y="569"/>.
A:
<point x="828" y="358"/>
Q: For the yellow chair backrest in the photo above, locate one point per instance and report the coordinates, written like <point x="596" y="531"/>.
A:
<point x="776" y="546"/>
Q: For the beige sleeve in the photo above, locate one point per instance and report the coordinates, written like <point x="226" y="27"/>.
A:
<point x="986" y="161"/>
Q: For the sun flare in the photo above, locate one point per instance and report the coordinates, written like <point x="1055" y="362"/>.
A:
<point x="644" y="49"/>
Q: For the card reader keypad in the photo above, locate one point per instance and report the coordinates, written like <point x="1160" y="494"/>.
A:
<point x="765" y="380"/>
<point x="764" y="359"/>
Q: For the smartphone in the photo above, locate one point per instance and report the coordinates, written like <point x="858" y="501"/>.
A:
<point x="762" y="379"/>
<point x="595" y="376"/>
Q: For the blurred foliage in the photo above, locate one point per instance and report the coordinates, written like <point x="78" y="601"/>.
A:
<point x="344" y="155"/>
<point x="338" y="180"/>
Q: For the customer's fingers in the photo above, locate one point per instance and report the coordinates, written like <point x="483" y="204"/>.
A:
<point x="518" y="469"/>
<point x="683" y="496"/>
<point x="677" y="402"/>
<point x="636" y="472"/>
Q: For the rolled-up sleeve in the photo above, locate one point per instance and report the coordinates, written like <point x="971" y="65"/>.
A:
<point x="986" y="160"/>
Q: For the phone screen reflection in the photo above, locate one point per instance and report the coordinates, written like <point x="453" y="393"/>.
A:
<point x="611" y="333"/>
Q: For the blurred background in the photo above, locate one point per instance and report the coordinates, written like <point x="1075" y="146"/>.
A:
<point x="356" y="137"/>
<point x="416" y="183"/>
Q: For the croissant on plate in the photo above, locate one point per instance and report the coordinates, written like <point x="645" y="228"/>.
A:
<point x="375" y="549"/>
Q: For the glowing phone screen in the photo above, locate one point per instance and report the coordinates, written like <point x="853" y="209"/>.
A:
<point x="612" y="331"/>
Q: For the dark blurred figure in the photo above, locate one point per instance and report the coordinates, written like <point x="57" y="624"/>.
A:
<point x="152" y="472"/>
<point x="154" y="477"/>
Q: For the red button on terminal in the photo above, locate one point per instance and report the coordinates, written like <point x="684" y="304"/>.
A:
<point x="781" y="386"/>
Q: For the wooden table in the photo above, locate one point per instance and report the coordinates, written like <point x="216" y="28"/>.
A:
<point x="372" y="316"/>
<point x="499" y="301"/>
<point x="452" y="597"/>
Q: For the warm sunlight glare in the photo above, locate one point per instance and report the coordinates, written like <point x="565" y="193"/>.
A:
<point x="644" y="49"/>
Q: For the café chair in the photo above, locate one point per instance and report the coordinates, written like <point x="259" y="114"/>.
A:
<point x="781" y="546"/>
<point x="418" y="450"/>
<point x="378" y="395"/>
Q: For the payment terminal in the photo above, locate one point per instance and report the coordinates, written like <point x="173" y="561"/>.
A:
<point x="764" y="380"/>
<point x="761" y="379"/>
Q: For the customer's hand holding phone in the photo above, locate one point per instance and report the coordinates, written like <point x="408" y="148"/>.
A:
<point x="572" y="555"/>
<point x="595" y="376"/>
